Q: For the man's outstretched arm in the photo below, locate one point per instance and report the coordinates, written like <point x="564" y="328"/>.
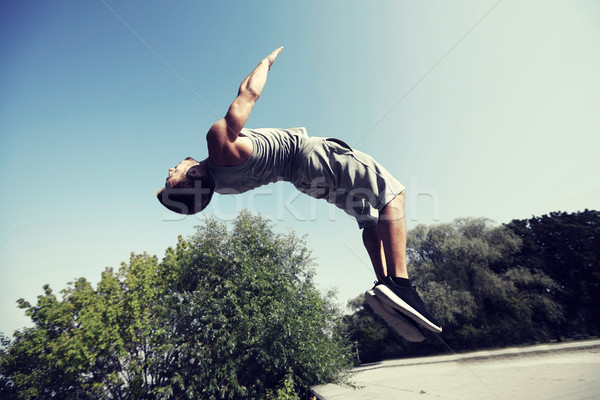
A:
<point x="225" y="131"/>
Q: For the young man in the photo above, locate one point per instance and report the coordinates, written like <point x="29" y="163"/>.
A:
<point x="241" y="159"/>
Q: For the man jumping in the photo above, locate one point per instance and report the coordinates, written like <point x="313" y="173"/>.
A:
<point x="241" y="159"/>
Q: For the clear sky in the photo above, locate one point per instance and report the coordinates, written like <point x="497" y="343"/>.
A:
<point x="482" y="108"/>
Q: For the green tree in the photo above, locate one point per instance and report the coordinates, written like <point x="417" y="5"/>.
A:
<point x="566" y="247"/>
<point x="247" y="303"/>
<point x="230" y="313"/>
<point x="468" y="272"/>
<point x="94" y="343"/>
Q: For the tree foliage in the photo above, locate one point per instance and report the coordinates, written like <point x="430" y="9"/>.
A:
<point x="230" y="313"/>
<point x="466" y="270"/>
<point x="566" y="247"/>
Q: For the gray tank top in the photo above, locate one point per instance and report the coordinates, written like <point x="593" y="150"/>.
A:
<point x="277" y="155"/>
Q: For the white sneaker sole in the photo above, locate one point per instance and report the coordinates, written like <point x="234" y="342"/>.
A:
<point x="388" y="297"/>
<point x="394" y="319"/>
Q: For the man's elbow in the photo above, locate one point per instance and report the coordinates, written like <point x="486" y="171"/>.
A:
<point x="242" y="106"/>
<point x="248" y="93"/>
<point x="235" y="120"/>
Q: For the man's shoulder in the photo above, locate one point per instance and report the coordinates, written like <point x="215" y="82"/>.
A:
<point x="283" y="132"/>
<point x="227" y="154"/>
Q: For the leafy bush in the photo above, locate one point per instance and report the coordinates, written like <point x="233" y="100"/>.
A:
<point x="231" y="313"/>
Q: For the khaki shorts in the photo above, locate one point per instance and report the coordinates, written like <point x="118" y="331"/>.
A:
<point x="348" y="178"/>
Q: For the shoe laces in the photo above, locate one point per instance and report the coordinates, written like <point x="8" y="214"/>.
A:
<point x="377" y="282"/>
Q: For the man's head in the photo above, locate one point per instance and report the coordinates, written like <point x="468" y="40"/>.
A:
<point x="188" y="188"/>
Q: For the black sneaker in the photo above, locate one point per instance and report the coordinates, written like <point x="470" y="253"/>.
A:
<point x="405" y="327"/>
<point x="407" y="301"/>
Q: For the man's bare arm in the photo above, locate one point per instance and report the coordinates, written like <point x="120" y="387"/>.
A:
<point x="225" y="131"/>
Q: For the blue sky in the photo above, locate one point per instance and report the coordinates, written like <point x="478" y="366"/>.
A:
<point x="482" y="108"/>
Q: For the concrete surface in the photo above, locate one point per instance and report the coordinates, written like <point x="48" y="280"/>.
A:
<point x="569" y="371"/>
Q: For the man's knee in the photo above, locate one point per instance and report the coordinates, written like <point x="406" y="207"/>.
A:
<point x="401" y="197"/>
<point x="395" y="208"/>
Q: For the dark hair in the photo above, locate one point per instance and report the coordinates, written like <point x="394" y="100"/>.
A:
<point x="189" y="196"/>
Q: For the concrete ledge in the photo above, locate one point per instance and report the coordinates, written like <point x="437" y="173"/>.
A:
<point x="557" y="370"/>
<point x="484" y="354"/>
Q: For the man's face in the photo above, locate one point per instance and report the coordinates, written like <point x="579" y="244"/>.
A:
<point x="177" y="174"/>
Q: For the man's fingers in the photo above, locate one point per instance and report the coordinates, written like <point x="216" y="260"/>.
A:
<point x="271" y="57"/>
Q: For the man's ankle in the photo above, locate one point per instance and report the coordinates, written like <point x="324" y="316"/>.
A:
<point x="403" y="282"/>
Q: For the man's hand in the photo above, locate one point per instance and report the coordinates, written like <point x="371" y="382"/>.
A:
<point x="271" y="57"/>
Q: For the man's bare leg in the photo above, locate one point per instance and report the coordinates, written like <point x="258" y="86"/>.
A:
<point x="392" y="227"/>
<point x="399" y="293"/>
<point x="392" y="232"/>
<point x="374" y="247"/>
